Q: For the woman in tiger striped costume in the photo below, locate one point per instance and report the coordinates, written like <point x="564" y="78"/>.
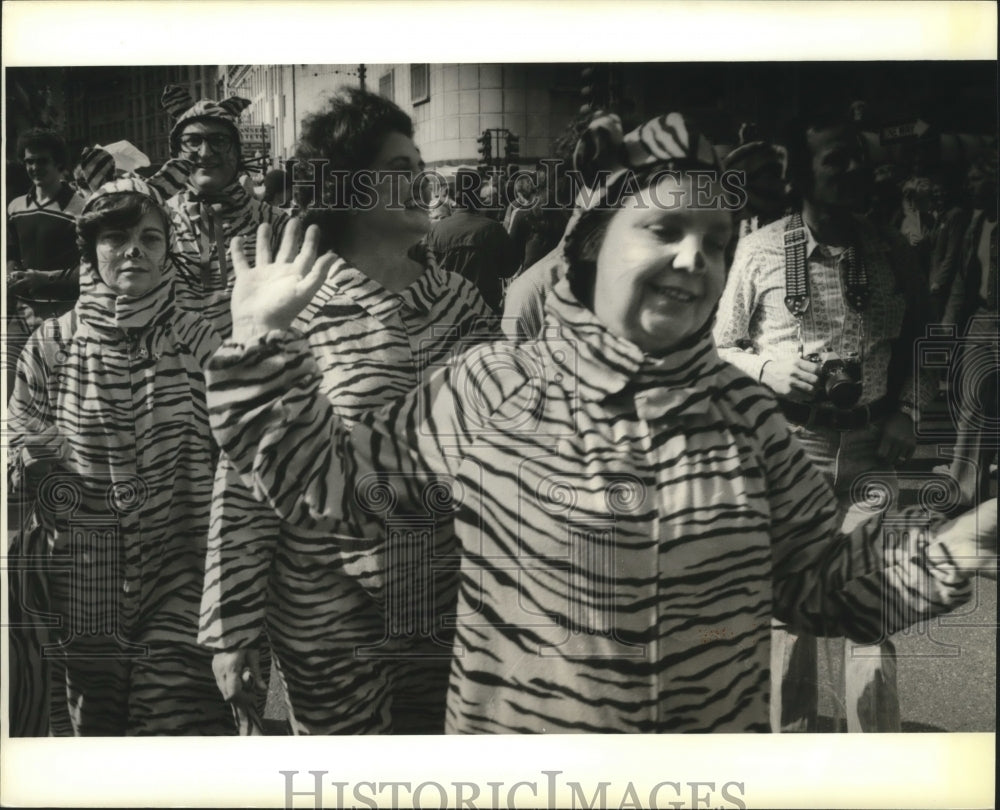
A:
<point x="631" y="510"/>
<point x="375" y="329"/>
<point x="111" y="399"/>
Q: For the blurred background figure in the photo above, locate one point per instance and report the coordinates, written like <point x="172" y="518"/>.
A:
<point x="43" y="277"/>
<point x="917" y="204"/>
<point x="885" y="198"/>
<point x="537" y="230"/>
<point x="276" y="191"/>
<point x="521" y="195"/>
<point x="476" y="246"/>
<point x="438" y="196"/>
<point x="972" y="309"/>
<point x="946" y="253"/>
<point x="764" y="183"/>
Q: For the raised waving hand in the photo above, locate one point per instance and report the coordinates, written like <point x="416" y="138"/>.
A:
<point x="269" y="295"/>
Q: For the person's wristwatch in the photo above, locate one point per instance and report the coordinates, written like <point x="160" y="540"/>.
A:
<point x="907" y="408"/>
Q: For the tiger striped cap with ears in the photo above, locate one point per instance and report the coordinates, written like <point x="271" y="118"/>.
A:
<point x="178" y="102"/>
<point x="669" y="142"/>
<point x="669" y="138"/>
<point x="122" y="185"/>
<point x="96" y="171"/>
<point x="96" y="176"/>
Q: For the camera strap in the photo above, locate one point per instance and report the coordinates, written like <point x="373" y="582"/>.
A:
<point x="797" y="277"/>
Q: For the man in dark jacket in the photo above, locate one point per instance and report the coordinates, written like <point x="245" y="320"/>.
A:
<point x="470" y="243"/>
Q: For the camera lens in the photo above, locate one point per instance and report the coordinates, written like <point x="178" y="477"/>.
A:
<point x="841" y="389"/>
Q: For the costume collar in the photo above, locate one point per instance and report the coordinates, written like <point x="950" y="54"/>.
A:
<point x="110" y="314"/>
<point x="380" y="303"/>
<point x="230" y="199"/>
<point x="610" y="366"/>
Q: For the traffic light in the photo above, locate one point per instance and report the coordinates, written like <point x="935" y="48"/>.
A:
<point x="513" y="148"/>
<point x="593" y="89"/>
<point x="485" y="146"/>
<point x="601" y="87"/>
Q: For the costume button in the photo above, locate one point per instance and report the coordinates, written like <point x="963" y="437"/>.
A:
<point x="127" y="587"/>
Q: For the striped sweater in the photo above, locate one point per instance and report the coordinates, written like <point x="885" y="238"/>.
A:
<point x="626" y="527"/>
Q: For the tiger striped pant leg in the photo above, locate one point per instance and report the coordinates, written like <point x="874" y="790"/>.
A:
<point x="60" y="724"/>
<point x="89" y="660"/>
<point x="97" y="694"/>
<point x="173" y="692"/>
<point x="33" y="689"/>
<point x="317" y="620"/>
<point x="421" y="596"/>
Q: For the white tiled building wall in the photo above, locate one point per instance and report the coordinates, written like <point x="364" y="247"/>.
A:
<point x="533" y="101"/>
<point x="466" y="99"/>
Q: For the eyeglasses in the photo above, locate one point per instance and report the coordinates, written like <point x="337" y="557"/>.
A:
<point x="216" y="141"/>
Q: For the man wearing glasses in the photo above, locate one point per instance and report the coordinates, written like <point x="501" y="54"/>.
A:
<point x="215" y="206"/>
<point x="43" y="279"/>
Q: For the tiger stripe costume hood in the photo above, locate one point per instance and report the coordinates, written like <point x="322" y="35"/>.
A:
<point x="98" y="305"/>
<point x="666" y="143"/>
<point x="115" y="391"/>
<point x="184" y="109"/>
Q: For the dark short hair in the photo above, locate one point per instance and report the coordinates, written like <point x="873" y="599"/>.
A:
<point x="274" y="185"/>
<point x="121" y="210"/>
<point x="812" y="118"/>
<point x="348" y="134"/>
<point x="47" y="140"/>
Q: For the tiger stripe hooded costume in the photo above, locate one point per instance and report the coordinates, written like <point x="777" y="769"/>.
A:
<point x="205" y="224"/>
<point x="320" y="602"/>
<point x="115" y="389"/>
<point x="627" y="525"/>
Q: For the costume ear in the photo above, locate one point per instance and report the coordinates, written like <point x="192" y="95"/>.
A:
<point x="599" y="147"/>
<point x="171" y="178"/>
<point x="96" y="168"/>
<point x="669" y="137"/>
<point x="234" y="105"/>
<point x="176" y="100"/>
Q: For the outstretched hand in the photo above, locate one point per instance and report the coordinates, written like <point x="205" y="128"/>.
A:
<point x="230" y="668"/>
<point x="269" y="295"/>
<point x="970" y="540"/>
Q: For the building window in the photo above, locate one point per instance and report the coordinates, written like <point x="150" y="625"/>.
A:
<point x="420" y="83"/>
<point x="387" y="86"/>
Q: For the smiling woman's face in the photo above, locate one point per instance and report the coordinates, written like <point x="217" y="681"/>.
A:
<point x="131" y="260"/>
<point x="661" y="267"/>
<point x="395" y="210"/>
